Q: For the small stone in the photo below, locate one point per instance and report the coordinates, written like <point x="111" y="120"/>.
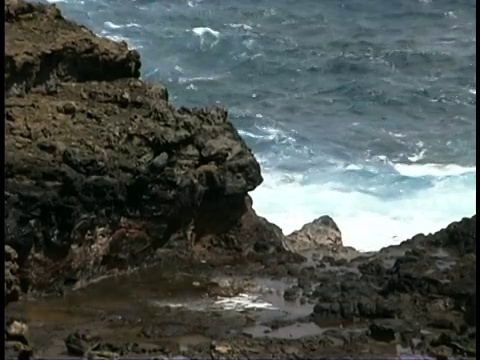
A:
<point x="442" y="323"/>
<point x="10" y="253"/>
<point x="381" y="333"/>
<point x="125" y="97"/>
<point x="441" y="352"/>
<point x="222" y="348"/>
<point x="160" y="161"/>
<point x="292" y="293"/>
<point x="322" y="308"/>
<point x="47" y="146"/>
<point x="69" y="108"/>
<point x="17" y="331"/>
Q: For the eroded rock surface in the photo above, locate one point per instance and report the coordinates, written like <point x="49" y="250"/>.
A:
<point x="102" y="173"/>
<point x="319" y="235"/>
<point x="416" y="299"/>
<point x="42" y="49"/>
<point x="12" y="281"/>
<point x="101" y="170"/>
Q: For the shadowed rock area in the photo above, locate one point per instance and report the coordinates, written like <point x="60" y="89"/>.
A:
<point x="130" y="231"/>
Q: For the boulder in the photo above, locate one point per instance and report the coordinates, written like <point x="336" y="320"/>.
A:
<point x="321" y="234"/>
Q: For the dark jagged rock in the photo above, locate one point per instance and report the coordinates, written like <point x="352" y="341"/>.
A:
<point x="12" y="281"/>
<point x="292" y="293"/>
<point x="385" y="331"/>
<point x="90" y="346"/>
<point x="459" y="236"/>
<point x="427" y="281"/>
<point x="101" y="170"/>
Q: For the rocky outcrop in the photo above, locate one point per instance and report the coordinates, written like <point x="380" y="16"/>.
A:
<point x="319" y="235"/>
<point x="428" y="281"/>
<point x="42" y="48"/>
<point x="413" y="300"/>
<point x="101" y="169"/>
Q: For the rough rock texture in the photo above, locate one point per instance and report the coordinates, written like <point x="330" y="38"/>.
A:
<point x="102" y="173"/>
<point x="12" y="281"/>
<point x="42" y="49"/>
<point x="101" y="170"/>
<point x="321" y="234"/>
<point x="428" y="281"/>
<point x="413" y="300"/>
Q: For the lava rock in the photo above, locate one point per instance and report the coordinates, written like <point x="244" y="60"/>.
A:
<point x="127" y="176"/>
<point x="321" y="234"/>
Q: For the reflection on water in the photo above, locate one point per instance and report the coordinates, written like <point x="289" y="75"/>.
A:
<point x="181" y="309"/>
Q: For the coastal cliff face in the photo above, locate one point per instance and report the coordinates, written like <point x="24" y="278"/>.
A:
<point x="104" y="174"/>
<point x="101" y="169"/>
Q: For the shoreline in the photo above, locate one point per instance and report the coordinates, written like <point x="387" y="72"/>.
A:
<point x="106" y="179"/>
<point x="346" y="222"/>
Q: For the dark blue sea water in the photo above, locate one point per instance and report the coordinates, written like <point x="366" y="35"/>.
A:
<point x="360" y="109"/>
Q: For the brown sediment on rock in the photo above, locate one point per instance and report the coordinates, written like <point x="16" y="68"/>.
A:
<point x="43" y="48"/>
<point x="101" y="169"/>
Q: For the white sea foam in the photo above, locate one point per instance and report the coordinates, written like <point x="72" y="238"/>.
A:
<point x="112" y="25"/>
<point x="434" y="170"/>
<point x="369" y="222"/>
<point x="268" y="133"/>
<point x="65" y="1"/>
<point x="204" y="33"/>
<point x="193" y="3"/>
<point x="201" y="31"/>
<point x="185" y="80"/>
<point x="117" y="38"/>
<point x="417" y="156"/>
<point x="240" y="26"/>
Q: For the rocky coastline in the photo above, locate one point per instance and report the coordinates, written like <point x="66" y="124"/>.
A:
<point x="106" y="179"/>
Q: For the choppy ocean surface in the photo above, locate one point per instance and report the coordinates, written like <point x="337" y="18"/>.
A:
<point x="360" y="109"/>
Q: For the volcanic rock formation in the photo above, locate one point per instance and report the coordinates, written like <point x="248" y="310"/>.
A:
<point x="103" y="173"/>
<point x="101" y="169"/>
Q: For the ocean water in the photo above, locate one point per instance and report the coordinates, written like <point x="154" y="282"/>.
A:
<point x="360" y="109"/>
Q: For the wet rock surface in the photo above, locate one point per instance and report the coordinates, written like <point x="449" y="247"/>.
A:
<point x="130" y="230"/>
<point x="368" y="305"/>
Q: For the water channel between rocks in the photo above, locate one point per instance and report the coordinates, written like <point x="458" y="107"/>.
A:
<point x="180" y="310"/>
